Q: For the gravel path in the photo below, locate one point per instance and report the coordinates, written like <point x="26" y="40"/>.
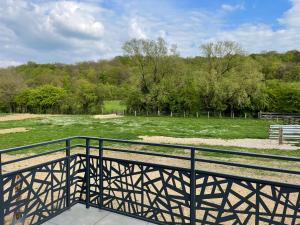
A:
<point x="245" y="143"/>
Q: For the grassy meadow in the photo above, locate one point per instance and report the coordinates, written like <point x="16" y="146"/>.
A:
<point x="113" y="106"/>
<point x="130" y="127"/>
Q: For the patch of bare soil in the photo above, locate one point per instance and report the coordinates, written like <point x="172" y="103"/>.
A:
<point x="20" y="116"/>
<point x="108" y="116"/>
<point x="13" y="130"/>
<point x="244" y="143"/>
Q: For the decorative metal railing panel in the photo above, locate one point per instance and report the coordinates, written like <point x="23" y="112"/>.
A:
<point x="153" y="192"/>
<point x="122" y="186"/>
<point x="33" y="195"/>
<point x="157" y="193"/>
<point x="223" y="199"/>
<point x="167" y="194"/>
<point x="77" y="179"/>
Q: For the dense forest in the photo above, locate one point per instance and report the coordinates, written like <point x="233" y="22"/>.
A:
<point x="151" y="76"/>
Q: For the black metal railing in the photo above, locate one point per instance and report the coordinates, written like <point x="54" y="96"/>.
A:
<point x="155" y="192"/>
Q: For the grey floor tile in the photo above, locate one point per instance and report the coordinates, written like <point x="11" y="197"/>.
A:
<point x="48" y="223"/>
<point x="79" y="215"/>
<point x="116" y="219"/>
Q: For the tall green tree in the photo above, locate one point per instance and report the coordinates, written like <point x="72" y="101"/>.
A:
<point x="11" y="83"/>
<point x="229" y="79"/>
<point x="153" y="61"/>
<point x="88" y="96"/>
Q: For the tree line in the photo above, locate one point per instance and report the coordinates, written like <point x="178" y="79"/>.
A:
<point x="151" y="76"/>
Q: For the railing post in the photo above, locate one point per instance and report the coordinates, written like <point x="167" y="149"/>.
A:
<point x="193" y="189"/>
<point x="142" y="191"/>
<point x="87" y="173"/>
<point x="101" y="173"/>
<point x="257" y="200"/>
<point x="68" y="182"/>
<point x="1" y="194"/>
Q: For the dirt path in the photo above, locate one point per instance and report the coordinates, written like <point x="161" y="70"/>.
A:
<point x="21" y="116"/>
<point x="13" y="130"/>
<point x="108" y="116"/>
<point x="244" y="143"/>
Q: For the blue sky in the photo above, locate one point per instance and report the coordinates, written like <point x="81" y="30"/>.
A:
<point x="69" y="31"/>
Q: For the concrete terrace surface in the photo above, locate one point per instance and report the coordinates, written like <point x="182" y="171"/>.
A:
<point x="79" y="215"/>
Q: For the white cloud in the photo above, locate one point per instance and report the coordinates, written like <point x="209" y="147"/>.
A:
<point x="51" y="24"/>
<point x="8" y="63"/>
<point x="136" y="30"/>
<point x="75" y="20"/>
<point x="58" y="31"/>
<point x="260" y="37"/>
<point x="291" y="18"/>
<point x="231" y="8"/>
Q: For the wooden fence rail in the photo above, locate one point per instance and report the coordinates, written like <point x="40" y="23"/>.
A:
<point x="288" y="118"/>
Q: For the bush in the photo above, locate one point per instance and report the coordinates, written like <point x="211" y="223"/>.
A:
<point x="284" y="97"/>
<point x="44" y="99"/>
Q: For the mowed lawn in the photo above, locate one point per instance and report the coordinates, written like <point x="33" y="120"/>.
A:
<point x="130" y="127"/>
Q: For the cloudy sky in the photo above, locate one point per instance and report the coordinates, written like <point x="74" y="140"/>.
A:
<point x="48" y="31"/>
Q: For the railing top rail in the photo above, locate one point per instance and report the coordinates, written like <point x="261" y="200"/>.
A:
<point x="19" y="148"/>
<point x="221" y="151"/>
<point x="204" y="149"/>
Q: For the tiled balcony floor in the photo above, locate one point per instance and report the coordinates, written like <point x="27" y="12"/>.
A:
<point x="79" y="215"/>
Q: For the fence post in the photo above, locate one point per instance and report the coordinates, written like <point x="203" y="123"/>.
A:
<point x="68" y="183"/>
<point x="280" y="136"/>
<point x="193" y="189"/>
<point x="87" y="173"/>
<point x="101" y="173"/>
<point x="1" y="194"/>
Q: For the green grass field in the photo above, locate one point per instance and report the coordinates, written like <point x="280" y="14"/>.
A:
<point x="130" y="127"/>
<point x="113" y="106"/>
